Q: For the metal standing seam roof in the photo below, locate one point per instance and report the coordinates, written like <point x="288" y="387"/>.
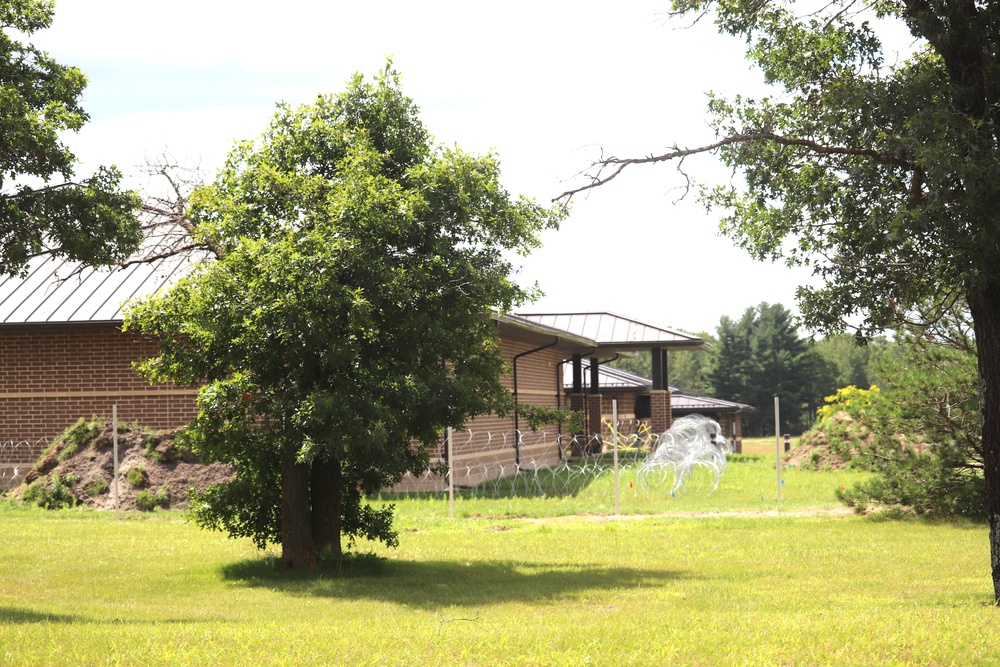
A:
<point x="567" y="337"/>
<point x="57" y="291"/>
<point x="681" y="402"/>
<point x="616" y="378"/>
<point x="610" y="330"/>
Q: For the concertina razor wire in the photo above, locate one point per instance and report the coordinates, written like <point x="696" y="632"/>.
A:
<point x="692" y="454"/>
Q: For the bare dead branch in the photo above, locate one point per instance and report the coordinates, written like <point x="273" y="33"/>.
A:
<point x="607" y="169"/>
<point x="168" y="229"/>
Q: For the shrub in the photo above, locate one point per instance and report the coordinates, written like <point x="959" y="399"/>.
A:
<point x="54" y="495"/>
<point x="536" y="416"/>
<point x="925" y="447"/>
<point x="96" y="487"/>
<point x="147" y="501"/>
<point x="137" y="477"/>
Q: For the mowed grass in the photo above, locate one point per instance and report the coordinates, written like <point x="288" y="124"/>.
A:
<point x="765" y="446"/>
<point x="750" y="484"/>
<point x="80" y="588"/>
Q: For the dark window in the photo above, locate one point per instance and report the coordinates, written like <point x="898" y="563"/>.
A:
<point x="642" y="409"/>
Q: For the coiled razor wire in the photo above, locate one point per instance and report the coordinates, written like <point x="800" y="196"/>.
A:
<point x="553" y="465"/>
<point x="16" y="458"/>
<point x="691" y="452"/>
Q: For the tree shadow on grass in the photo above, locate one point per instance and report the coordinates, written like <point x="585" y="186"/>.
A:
<point x="17" y="616"/>
<point x="433" y="584"/>
<point x="20" y="616"/>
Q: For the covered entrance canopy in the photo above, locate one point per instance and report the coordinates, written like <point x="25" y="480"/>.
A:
<point x="614" y="335"/>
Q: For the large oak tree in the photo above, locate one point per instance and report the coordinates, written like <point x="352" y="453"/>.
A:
<point x="883" y="175"/>
<point x="346" y="317"/>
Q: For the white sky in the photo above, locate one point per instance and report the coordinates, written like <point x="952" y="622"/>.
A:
<point x="545" y="85"/>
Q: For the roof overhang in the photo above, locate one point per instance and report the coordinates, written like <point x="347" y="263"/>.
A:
<point x="613" y="332"/>
<point x="519" y="328"/>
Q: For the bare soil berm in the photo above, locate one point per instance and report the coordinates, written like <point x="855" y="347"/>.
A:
<point x="150" y="462"/>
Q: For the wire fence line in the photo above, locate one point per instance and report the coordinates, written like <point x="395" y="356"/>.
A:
<point x="16" y="459"/>
<point x="530" y="463"/>
<point x="552" y="464"/>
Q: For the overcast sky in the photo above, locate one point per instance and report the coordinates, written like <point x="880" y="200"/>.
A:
<point x="544" y="85"/>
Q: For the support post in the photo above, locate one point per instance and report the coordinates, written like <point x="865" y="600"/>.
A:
<point x="660" y="415"/>
<point x="577" y="374"/>
<point x="451" y="475"/>
<point x="659" y="370"/>
<point x="777" y="447"/>
<point x="614" y="440"/>
<point x="114" y="440"/>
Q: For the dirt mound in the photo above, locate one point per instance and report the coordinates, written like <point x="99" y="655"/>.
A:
<point x="154" y="470"/>
<point x="830" y="444"/>
<point x="837" y="441"/>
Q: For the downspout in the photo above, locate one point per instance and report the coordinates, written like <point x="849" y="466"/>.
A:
<point x="608" y="361"/>
<point x="517" y="423"/>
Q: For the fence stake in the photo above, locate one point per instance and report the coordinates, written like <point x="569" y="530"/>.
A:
<point x="614" y="436"/>
<point x="114" y="439"/>
<point x="451" y="475"/>
<point x="777" y="448"/>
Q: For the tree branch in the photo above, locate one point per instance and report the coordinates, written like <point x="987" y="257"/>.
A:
<point x="599" y="177"/>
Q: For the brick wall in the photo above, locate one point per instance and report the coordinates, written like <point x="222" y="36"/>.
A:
<point x="50" y="377"/>
<point x="626" y="408"/>
<point x="660" y="416"/>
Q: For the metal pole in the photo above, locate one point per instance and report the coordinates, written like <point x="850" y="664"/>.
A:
<point x="114" y="439"/>
<point x="451" y="476"/>
<point x="614" y="436"/>
<point x="777" y="447"/>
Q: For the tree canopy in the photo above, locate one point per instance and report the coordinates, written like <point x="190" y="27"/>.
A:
<point x="346" y="321"/>
<point x="883" y="176"/>
<point x="761" y="356"/>
<point x="41" y="208"/>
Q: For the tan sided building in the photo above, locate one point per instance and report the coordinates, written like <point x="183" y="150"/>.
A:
<point x="63" y="356"/>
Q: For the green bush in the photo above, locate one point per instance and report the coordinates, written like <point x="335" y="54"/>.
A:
<point x="925" y="445"/>
<point x="137" y="477"/>
<point x="147" y="501"/>
<point x="536" y="416"/>
<point x="96" y="487"/>
<point x="54" y="495"/>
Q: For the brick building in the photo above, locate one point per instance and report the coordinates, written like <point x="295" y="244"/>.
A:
<point x="63" y="356"/>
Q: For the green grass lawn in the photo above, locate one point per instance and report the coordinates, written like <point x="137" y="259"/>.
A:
<point x="765" y="446"/>
<point x="80" y="588"/>
<point x="748" y="485"/>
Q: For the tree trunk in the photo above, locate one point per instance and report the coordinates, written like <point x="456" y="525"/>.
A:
<point x="326" y="483"/>
<point x="298" y="551"/>
<point x="985" y="308"/>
